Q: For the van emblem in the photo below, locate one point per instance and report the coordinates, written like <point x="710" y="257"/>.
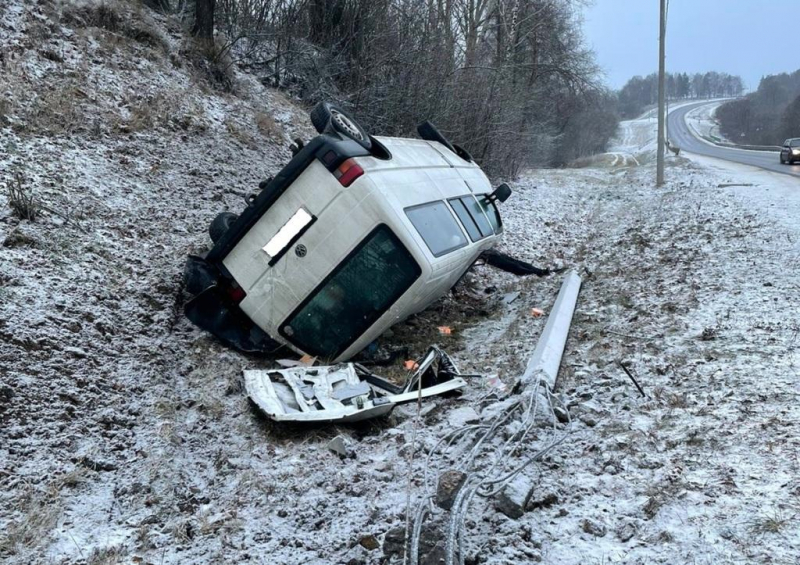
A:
<point x="300" y="250"/>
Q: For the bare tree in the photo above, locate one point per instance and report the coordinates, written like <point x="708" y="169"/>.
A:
<point x="203" y="27"/>
<point x="503" y="78"/>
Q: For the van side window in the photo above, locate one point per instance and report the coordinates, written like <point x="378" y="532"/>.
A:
<point x="463" y="214"/>
<point x="437" y="226"/>
<point x="480" y="219"/>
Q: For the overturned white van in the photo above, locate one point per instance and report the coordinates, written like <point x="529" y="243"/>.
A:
<point x="355" y="234"/>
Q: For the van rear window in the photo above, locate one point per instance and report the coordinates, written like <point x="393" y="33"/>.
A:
<point x="352" y="298"/>
<point x="437" y="226"/>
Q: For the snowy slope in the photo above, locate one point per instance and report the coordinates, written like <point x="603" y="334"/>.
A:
<point x="126" y="436"/>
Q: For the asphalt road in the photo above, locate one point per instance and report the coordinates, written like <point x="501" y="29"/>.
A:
<point x="683" y="137"/>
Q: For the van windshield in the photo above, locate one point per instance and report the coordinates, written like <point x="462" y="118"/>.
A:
<point x="795" y="142"/>
<point x="492" y="213"/>
<point x="353" y="297"/>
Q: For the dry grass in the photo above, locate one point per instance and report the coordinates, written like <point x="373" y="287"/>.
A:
<point x="73" y="478"/>
<point x="107" y="556"/>
<point x="268" y="127"/>
<point x="771" y="523"/>
<point x="124" y="21"/>
<point x="240" y="134"/>
<point x="59" y="110"/>
<point x="169" y="111"/>
<point x="39" y="514"/>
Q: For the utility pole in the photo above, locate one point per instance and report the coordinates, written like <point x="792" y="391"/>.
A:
<point x="662" y="115"/>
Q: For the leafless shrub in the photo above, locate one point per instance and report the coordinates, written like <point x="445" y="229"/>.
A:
<point x="212" y="64"/>
<point x="24" y="204"/>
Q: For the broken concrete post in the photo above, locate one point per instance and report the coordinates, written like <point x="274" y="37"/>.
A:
<point x="450" y="482"/>
<point x="339" y="447"/>
<point x="514" y="497"/>
<point x="546" y="358"/>
<point x="460" y="417"/>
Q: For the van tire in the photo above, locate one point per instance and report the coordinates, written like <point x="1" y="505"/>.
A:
<point x="220" y="225"/>
<point x="328" y="117"/>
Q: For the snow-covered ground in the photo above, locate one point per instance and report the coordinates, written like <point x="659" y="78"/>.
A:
<point x="635" y="144"/>
<point x="125" y="435"/>
<point x="703" y="122"/>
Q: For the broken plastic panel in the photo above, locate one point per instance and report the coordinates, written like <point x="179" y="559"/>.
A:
<point x="346" y="392"/>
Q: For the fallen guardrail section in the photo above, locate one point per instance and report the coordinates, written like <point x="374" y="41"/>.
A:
<point x="488" y="458"/>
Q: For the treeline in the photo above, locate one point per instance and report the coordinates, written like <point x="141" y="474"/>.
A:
<point x="510" y="80"/>
<point x="767" y="116"/>
<point x="641" y="92"/>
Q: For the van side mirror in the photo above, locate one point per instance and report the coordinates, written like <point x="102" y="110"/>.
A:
<point x="501" y="193"/>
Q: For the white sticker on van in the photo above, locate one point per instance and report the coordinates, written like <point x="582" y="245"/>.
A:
<point x="288" y="232"/>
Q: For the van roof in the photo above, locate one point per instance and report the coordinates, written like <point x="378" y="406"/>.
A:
<point x="414" y="153"/>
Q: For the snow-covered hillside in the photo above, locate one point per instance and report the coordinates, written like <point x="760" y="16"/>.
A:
<point x="126" y="437"/>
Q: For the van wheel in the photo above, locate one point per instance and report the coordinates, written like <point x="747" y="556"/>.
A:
<point x="220" y="225"/>
<point x="326" y="116"/>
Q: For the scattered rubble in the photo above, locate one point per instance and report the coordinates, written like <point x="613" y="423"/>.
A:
<point x="514" y="498"/>
<point x="450" y="483"/>
<point x="339" y="447"/>
<point x="594" y="527"/>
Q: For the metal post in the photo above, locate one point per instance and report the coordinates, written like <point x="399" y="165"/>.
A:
<point x="661" y="98"/>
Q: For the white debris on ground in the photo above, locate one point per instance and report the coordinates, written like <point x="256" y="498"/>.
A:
<point x="125" y="435"/>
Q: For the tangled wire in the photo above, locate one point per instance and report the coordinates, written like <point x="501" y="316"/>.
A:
<point x="489" y="465"/>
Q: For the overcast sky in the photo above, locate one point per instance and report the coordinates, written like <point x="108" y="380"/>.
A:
<point x="750" y="38"/>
